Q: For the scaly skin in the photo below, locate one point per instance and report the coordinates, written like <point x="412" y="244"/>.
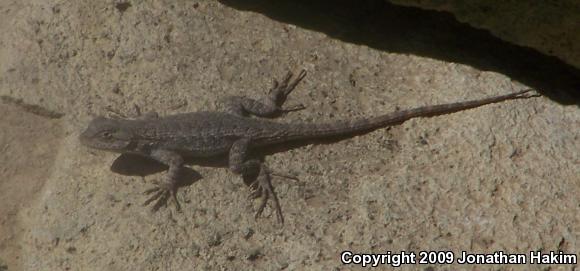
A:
<point x="204" y="134"/>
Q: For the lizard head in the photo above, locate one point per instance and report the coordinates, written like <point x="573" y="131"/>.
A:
<point x="107" y="134"/>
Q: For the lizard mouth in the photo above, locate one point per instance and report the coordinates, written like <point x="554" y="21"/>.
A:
<point x="89" y="140"/>
<point x="85" y="139"/>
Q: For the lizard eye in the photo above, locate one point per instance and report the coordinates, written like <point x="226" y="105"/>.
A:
<point x="107" y="135"/>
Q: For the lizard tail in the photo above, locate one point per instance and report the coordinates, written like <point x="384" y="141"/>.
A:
<point x="367" y="124"/>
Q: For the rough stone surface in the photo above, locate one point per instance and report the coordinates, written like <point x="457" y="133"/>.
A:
<point x="549" y="26"/>
<point x="500" y="177"/>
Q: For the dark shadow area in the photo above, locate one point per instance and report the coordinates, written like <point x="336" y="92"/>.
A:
<point x="438" y="35"/>
<point x="137" y="165"/>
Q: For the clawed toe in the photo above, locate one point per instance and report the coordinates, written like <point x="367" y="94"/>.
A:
<point x="265" y="197"/>
<point x="286" y="87"/>
<point x="161" y="193"/>
<point x="292" y="86"/>
<point x="263" y="188"/>
<point x="155" y="196"/>
<point x="280" y="91"/>
<point x="285" y="176"/>
<point x="151" y="190"/>
<point x="294" y="108"/>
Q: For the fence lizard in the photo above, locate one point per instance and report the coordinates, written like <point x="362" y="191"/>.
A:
<point x="233" y="133"/>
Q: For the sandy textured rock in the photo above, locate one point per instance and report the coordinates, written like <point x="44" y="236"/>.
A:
<point x="499" y="177"/>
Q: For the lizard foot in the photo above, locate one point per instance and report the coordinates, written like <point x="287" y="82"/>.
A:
<point x="286" y="87"/>
<point x="262" y="187"/>
<point x="256" y="190"/>
<point x="161" y="193"/>
<point x="280" y="91"/>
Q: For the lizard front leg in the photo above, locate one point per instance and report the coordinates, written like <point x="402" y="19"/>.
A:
<point x="262" y="185"/>
<point x="168" y="187"/>
<point x="270" y="105"/>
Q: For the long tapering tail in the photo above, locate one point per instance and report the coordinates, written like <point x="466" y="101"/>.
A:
<point x="361" y="125"/>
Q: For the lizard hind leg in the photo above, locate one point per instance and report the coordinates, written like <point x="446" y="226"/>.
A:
<point x="261" y="186"/>
<point x="270" y="105"/>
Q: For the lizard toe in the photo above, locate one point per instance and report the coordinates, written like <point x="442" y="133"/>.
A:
<point x="150" y="190"/>
<point x="175" y="200"/>
<point x="154" y="197"/>
<point x="267" y="191"/>
<point x="161" y="194"/>
<point x="262" y="206"/>
<point x="161" y="201"/>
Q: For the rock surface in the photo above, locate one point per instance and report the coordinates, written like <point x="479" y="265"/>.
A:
<point x="499" y="177"/>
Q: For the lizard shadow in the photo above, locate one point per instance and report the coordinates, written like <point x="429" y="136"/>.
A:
<point x="137" y="165"/>
<point x="391" y="28"/>
<point x="128" y="164"/>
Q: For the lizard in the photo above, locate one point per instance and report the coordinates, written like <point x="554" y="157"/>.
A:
<point x="233" y="132"/>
